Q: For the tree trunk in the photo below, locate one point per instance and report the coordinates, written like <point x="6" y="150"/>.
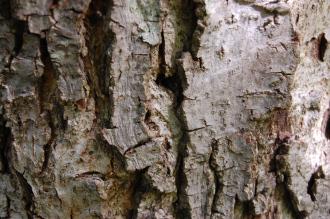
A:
<point x="164" y="109"/>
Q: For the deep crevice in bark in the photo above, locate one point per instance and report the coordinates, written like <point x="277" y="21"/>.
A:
<point x="5" y="9"/>
<point x="311" y="189"/>
<point x="20" y="27"/>
<point x="198" y="27"/>
<point x="326" y="124"/>
<point x="99" y="39"/>
<point x="47" y="97"/>
<point x="5" y="141"/>
<point x="242" y="209"/>
<point x="55" y="2"/>
<point x="28" y="196"/>
<point x="278" y="165"/>
<point x="176" y="83"/>
<point x="284" y="195"/>
<point x="8" y="207"/>
<point x="323" y="44"/>
<point x="218" y="185"/>
<point x="140" y="187"/>
<point x="287" y="196"/>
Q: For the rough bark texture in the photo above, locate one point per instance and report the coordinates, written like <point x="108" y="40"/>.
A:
<point x="164" y="109"/>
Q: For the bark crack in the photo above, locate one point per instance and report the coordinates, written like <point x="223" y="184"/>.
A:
<point x="140" y="187"/>
<point x="175" y="82"/>
<point x="20" y="27"/>
<point x="311" y="188"/>
<point x="326" y="124"/>
<point x="213" y="166"/>
<point x="47" y="99"/>
<point x="5" y="141"/>
<point x="323" y="45"/>
<point x="279" y="166"/>
<point x="99" y="39"/>
<point x="139" y="144"/>
<point x="28" y="195"/>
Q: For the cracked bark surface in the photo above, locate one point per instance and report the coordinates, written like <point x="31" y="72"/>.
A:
<point x="164" y="109"/>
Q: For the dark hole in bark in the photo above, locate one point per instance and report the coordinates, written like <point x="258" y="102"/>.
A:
<point x="5" y="9"/>
<point x="242" y="209"/>
<point x="5" y="141"/>
<point x="173" y="82"/>
<point x="97" y="10"/>
<point x="327" y="128"/>
<point x="323" y="44"/>
<point x="28" y="195"/>
<point x="20" y="28"/>
<point x="55" y="2"/>
<point x="326" y="124"/>
<point x="311" y="188"/>
<point x="140" y="187"/>
<point x="297" y="19"/>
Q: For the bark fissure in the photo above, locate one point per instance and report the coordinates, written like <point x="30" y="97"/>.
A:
<point x="195" y="30"/>
<point x="20" y="27"/>
<point x="139" y="144"/>
<point x="217" y="182"/>
<point x="5" y="141"/>
<point x="326" y="124"/>
<point x="99" y="39"/>
<point x="242" y="209"/>
<point x="47" y="99"/>
<point x="28" y="195"/>
<point x="323" y="45"/>
<point x="278" y="165"/>
<point x="140" y="187"/>
<point x="175" y="84"/>
<point x="8" y="206"/>
<point x="311" y="189"/>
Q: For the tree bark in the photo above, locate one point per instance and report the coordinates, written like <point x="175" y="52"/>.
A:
<point x="164" y="109"/>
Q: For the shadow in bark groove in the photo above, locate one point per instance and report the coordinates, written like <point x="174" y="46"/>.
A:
<point x="218" y="184"/>
<point x="243" y="209"/>
<point x="174" y="84"/>
<point x="282" y="190"/>
<point x="27" y="195"/>
<point x="311" y="189"/>
<point x="140" y="187"/>
<point x="99" y="39"/>
<point x="5" y="141"/>
<point x="49" y="101"/>
<point x="174" y="80"/>
<point x="20" y="27"/>
<point x="326" y="124"/>
<point x="323" y="44"/>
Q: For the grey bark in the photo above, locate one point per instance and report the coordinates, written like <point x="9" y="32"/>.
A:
<point x="164" y="109"/>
